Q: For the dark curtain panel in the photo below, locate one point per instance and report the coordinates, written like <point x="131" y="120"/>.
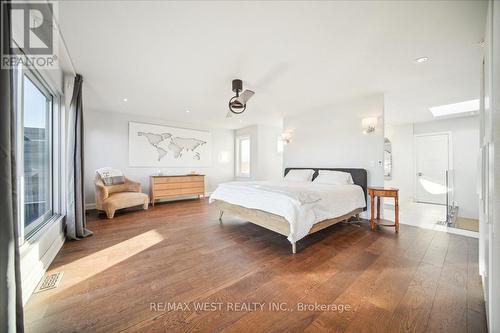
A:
<point x="75" y="220"/>
<point x="11" y="304"/>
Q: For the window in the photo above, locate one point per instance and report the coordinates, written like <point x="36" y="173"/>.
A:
<point x="35" y="149"/>
<point x="243" y="145"/>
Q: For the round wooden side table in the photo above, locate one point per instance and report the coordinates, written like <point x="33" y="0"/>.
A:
<point x="378" y="192"/>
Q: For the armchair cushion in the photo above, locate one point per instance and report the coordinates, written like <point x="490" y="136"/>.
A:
<point x="111" y="176"/>
<point x="124" y="200"/>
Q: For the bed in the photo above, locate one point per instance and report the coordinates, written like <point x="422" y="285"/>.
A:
<point x="294" y="209"/>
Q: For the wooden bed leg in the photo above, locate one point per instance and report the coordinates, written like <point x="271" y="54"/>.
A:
<point x="220" y="216"/>
<point x="294" y="248"/>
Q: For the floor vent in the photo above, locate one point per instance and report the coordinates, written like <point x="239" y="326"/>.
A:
<point x="50" y="281"/>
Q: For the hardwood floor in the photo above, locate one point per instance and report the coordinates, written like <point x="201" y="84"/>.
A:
<point x="124" y="277"/>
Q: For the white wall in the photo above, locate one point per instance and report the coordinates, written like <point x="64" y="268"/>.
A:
<point x="266" y="163"/>
<point x="489" y="223"/>
<point x="465" y="154"/>
<point x="403" y="161"/>
<point x="334" y="138"/>
<point x="106" y="144"/>
<point x="270" y="166"/>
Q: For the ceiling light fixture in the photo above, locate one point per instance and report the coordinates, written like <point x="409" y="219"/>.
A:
<point x="238" y="103"/>
<point x="455" y="108"/>
<point x="187" y="111"/>
<point x="125" y="99"/>
<point x="421" y="59"/>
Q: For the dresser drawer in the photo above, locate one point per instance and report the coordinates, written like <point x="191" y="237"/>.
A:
<point x="178" y="192"/>
<point x="193" y="190"/>
<point x="177" y="179"/>
<point x="166" y="193"/>
<point x="192" y="184"/>
<point x="166" y="180"/>
<point x="191" y="179"/>
<point x="167" y="186"/>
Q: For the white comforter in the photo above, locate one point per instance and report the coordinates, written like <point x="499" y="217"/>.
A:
<point x="302" y="204"/>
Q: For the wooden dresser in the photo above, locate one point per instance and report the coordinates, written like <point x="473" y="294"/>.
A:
<point x="169" y="187"/>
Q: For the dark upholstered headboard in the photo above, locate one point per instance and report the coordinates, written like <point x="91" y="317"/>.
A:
<point x="359" y="176"/>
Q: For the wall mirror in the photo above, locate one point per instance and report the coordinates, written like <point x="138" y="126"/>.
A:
<point x="387" y="159"/>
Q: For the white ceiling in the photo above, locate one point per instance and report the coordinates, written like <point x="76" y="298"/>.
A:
<point x="169" y="57"/>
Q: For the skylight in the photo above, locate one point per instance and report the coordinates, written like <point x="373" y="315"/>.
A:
<point x="456" y="108"/>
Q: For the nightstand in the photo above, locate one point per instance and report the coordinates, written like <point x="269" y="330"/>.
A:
<point x="385" y="193"/>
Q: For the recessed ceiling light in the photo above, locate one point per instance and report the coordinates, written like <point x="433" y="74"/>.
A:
<point x="455" y="108"/>
<point x="187" y="111"/>
<point x="421" y="60"/>
<point x="125" y="99"/>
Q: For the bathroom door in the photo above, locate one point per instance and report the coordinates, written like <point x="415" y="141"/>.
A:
<point x="432" y="164"/>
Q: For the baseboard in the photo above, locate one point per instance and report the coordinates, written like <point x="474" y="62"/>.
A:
<point x="444" y="228"/>
<point x="365" y="215"/>
<point x="90" y="206"/>
<point x="463" y="232"/>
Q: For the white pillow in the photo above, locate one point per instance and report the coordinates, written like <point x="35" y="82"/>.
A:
<point x="333" y="177"/>
<point x="295" y="175"/>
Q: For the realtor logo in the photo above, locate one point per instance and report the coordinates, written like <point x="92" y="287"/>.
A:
<point x="34" y="39"/>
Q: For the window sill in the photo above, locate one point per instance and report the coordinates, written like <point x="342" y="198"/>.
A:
<point x="42" y="229"/>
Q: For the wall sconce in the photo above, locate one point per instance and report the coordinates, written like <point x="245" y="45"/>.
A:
<point x="369" y="125"/>
<point x="283" y="140"/>
<point x="286" y="138"/>
<point x="224" y="156"/>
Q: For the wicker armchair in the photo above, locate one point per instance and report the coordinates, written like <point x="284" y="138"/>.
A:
<point x="109" y="198"/>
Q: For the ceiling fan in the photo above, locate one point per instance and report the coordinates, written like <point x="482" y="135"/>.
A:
<point x="238" y="103"/>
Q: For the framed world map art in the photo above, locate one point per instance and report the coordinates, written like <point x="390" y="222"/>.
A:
<point x="151" y="145"/>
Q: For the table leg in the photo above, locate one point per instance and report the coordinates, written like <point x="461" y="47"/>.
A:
<point x="378" y="208"/>
<point x="372" y="204"/>
<point x="396" y="219"/>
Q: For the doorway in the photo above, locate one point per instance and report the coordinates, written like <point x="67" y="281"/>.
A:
<point x="432" y="157"/>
